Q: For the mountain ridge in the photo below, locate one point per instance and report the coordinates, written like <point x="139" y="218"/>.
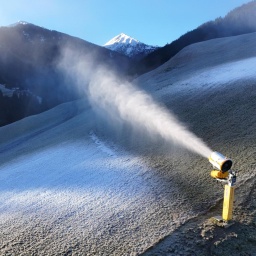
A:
<point x="240" y="20"/>
<point x="30" y="58"/>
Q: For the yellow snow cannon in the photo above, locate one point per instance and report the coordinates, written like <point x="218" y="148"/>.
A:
<point x="227" y="176"/>
<point x="221" y="162"/>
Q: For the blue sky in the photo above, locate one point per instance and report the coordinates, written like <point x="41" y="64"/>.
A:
<point x="154" y="22"/>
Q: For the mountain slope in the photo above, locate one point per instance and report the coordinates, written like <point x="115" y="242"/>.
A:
<point x="211" y="85"/>
<point x="31" y="47"/>
<point x="68" y="186"/>
<point x="129" y="46"/>
<point x="30" y="58"/>
<point x="239" y="21"/>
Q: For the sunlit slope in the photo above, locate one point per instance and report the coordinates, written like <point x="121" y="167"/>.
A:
<point x="211" y="87"/>
<point x="65" y="186"/>
<point x="198" y="57"/>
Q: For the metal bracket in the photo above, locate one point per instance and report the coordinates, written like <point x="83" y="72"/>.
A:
<point x="232" y="178"/>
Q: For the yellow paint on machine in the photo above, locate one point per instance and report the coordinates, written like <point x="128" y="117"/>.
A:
<point x="228" y="203"/>
<point x="219" y="174"/>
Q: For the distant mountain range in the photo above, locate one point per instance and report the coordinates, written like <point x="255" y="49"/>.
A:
<point x="129" y="46"/>
<point x="29" y="65"/>
<point x="31" y="80"/>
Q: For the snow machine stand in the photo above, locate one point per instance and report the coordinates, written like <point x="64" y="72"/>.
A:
<point x="227" y="176"/>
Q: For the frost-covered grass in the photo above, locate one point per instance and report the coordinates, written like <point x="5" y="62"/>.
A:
<point x="66" y="187"/>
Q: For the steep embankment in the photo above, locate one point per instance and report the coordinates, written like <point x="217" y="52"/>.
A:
<point x="65" y="187"/>
<point x="68" y="187"/>
<point x="211" y="86"/>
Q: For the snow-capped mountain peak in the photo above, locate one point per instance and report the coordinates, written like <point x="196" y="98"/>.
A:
<point x="129" y="46"/>
<point x="122" y="39"/>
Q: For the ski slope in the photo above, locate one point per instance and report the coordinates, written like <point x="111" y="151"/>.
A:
<point x="66" y="187"/>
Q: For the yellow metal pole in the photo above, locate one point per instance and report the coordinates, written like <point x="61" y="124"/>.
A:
<point x="228" y="202"/>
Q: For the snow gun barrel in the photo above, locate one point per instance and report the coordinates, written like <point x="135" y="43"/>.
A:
<point x="219" y="161"/>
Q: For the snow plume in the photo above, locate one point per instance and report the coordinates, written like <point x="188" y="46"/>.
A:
<point x="121" y="102"/>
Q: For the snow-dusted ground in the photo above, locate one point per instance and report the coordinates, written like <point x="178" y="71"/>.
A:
<point x="66" y="187"/>
<point x="213" y="78"/>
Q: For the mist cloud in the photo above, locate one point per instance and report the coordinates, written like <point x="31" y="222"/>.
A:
<point x="121" y="101"/>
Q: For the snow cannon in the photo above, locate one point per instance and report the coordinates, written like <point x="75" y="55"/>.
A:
<point x="220" y="162"/>
<point x="227" y="176"/>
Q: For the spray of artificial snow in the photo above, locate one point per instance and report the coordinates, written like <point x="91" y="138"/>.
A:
<point x="121" y="101"/>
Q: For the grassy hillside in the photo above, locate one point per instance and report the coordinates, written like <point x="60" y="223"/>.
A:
<point x="69" y="185"/>
<point x="239" y="21"/>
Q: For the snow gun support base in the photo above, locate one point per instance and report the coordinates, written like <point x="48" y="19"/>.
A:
<point x="227" y="177"/>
